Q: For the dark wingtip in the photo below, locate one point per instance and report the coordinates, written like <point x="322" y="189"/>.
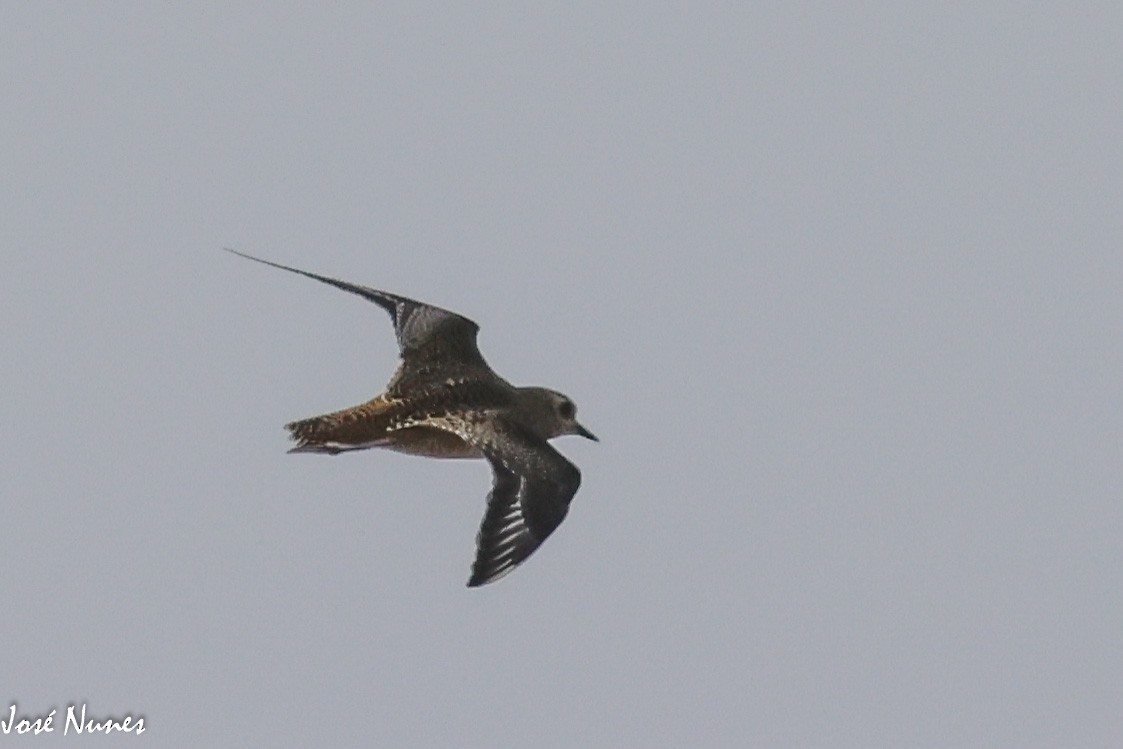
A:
<point x="232" y="251"/>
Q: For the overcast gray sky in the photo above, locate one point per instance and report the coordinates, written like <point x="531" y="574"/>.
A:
<point x="838" y="288"/>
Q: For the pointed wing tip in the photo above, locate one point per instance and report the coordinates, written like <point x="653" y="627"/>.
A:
<point x="247" y="256"/>
<point x="479" y="579"/>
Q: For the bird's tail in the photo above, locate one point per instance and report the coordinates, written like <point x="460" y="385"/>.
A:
<point x="350" y="429"/>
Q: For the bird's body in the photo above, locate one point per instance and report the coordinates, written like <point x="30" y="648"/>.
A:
<point x="393" y="423"/>
<point x="444" y="401"/>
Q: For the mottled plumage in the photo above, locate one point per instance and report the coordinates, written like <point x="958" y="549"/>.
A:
<point x="444" y="401"/>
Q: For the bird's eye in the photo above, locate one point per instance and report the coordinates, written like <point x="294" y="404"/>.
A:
<point x="567" y="410"/>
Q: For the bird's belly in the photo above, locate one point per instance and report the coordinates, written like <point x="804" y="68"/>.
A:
<point x="430" y="443"/>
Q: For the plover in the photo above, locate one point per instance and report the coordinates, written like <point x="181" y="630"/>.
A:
<point x="444" y="401"/>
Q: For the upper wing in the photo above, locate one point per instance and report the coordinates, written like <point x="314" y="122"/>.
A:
<point x="533" y="486"/>
<point x="434" y="343"/>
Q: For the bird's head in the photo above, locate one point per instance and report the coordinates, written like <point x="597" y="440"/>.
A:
<point x="550" y="413"/>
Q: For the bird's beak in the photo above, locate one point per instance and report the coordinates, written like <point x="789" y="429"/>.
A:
<point x="585" y="433"/>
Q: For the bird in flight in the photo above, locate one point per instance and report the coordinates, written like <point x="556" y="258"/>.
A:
<point x="444" y="401"/>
